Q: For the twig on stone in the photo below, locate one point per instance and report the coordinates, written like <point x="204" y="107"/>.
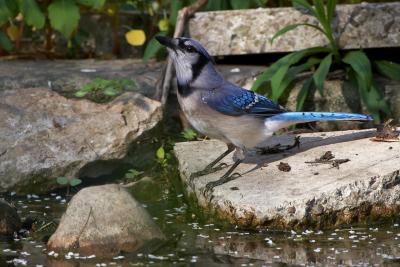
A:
<point x="76" y="243"/>
<point x="328" y="158"/>
<point x="163" y="87"/>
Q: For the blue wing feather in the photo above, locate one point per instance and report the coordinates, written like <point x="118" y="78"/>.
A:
<point x="235" y="101"/>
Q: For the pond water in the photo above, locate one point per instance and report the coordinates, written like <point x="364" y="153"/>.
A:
<point x="196" y="239"/>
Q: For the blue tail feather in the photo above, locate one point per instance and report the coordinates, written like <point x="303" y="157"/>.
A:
<point x="320" y="116"/>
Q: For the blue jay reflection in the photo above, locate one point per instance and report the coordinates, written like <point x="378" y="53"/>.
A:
<point x="219" y="109"/>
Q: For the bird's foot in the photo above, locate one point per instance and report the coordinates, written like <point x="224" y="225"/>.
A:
<point x="206" y="171"/>
<point x="279" y="148"/>
<point x="209" y="188"/>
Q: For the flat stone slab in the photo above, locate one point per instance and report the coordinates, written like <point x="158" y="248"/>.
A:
<point x="249" y="31"/>
<point x="309" y="195"/>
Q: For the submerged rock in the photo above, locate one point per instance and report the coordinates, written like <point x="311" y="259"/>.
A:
<point x="9" y="219"/>
<point x="104" y="221"/>
<point x="363" y="185"/>
<point x="45" y="135"/>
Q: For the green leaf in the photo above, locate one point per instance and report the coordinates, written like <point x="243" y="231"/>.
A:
<point x="276" y="81"/>
<point x="132" y="173"/>
<point x="8" y="10"/>
<point x="152" y="47"/>
<point x="32" y="13"/>
<point x="110" y="91"/>
<point x="217" y="5"/>
<point x="302" y="96"/>
<point x="292" y="27"/>
<point x="331" y="7"/>
<point x="319" y="75"/>
<point x="64" y="16"/>
<point x="360" y="63"/>
<point x="160" y="153"/>
<point x="289" y="59"/>
<point x="320" y="11"/>
<point x="62" y="180"/>
<point x="5" y="42"/>
<point x="389" y="69"/>
<point x="175" y="6"/>
<point x="189" y="134"/>
<point x="75" y="181"/>
<point x="290" y="76"/>
<point x="97" y="4"/>
<point x="304" y="4"/>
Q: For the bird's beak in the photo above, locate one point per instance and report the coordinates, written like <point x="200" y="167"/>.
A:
<point x="166" y="41"/>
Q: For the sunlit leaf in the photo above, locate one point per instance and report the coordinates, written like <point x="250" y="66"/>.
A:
<point x="189" y="134"/>
<point x="163" y="25"/>
<point x="32" y="13"/>
<point x="320" y="74"/>
<point x="152" y="48"/>
<point x="302" y="96"/>
<point x="389" y="69"/>
<point x="160" y="154"/>
<point x="64" y="16"/>
<point x="133" y="173"/>
<point x="75" y="181"/>
<point x="360" y="63"/>
<point x="12" y="32"/>
<point x="135" y="37"/>
<point x="62" y="180"/>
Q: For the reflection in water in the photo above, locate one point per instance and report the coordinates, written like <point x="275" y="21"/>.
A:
<point x="198" y="240"/>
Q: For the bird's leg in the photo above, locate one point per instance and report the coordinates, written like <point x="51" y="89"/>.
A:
<point x="228" y="176"/>
<point x="224" y="178"/>
<point x="210" y="167"/>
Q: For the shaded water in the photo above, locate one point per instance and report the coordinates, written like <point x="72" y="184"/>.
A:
<point x="197" y="240"/>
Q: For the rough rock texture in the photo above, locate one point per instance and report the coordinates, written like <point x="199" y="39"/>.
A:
<point x="104" y="220"/>
<point x="250" y="31"/>
<point x="68" y="76"/>
<point x="365" y="188"/>
<point x="45" y="135"/>
<point x="9" y="219"/>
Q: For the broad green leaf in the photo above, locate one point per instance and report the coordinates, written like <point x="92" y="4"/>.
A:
<point x="5" y="42"/>
<point x="160" y="153"/>
<point x="62" y="180"/>
<point x="75" y="181"/>
<point x="292" y="27"/>
<point x="8" y="10"/>
<point x="319" y="75"/>
<point x="389" y="69"/>
<point x="330" y="8"/>
<point x="64" y="16"/>
<point x="97" y="4"/>
<point x="289" y="60"/>
<point x="290" y="76"/>
<point x="32" y="13"/>
<point x="175" y="6"/>
<point x="304" y="4"/>
<point x="152" y="48"/>
<point x="302" y="96"/>
<point x="360" y="63"/>
<point x="110" y="91"/>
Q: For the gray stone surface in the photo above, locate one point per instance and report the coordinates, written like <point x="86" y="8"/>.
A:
<point x="68" y="76"/>
<point x="249" y="31"/>
<point x="365" y="188"/>
<point x="45" y="135"/>
<point x="9" y="219"/>
<point x="105" y="221"/>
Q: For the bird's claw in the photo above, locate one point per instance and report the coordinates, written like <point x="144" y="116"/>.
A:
<point x="207" y="171"/>
<point x="209" y="188"/>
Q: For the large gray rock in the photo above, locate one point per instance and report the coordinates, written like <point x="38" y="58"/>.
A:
<point x="45" y="135"/>
<point x="104" y="220"/>
<point x="365" y="188"/>
<point x="249" y="31"/>
<point x="9" y="219"/>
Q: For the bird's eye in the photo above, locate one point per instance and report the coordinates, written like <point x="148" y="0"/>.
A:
<point x="190" y="49"/>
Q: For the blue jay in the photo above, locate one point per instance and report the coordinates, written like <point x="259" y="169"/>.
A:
<point x="219" y="109"/>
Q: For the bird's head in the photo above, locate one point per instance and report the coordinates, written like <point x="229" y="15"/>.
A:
<point x="189" y="57"/>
